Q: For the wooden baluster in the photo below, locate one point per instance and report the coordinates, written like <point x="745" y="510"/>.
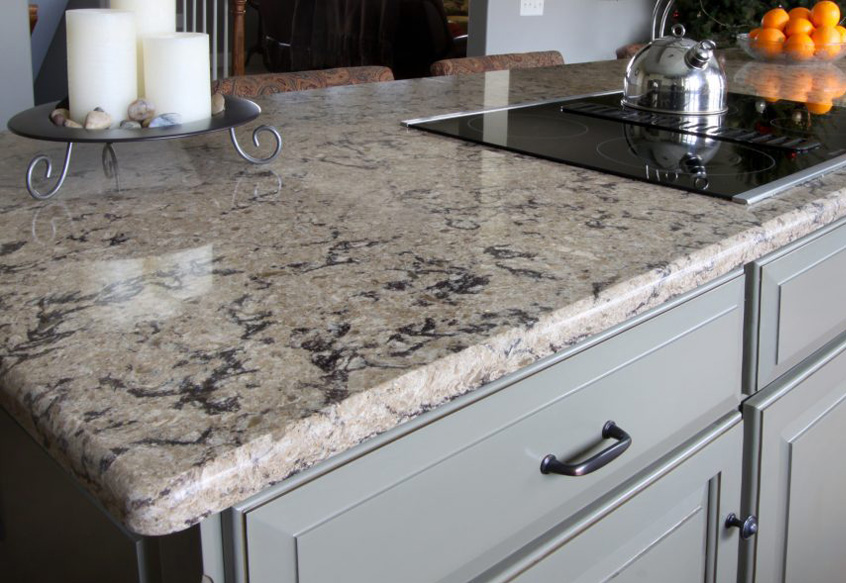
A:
<point x="239" y="9"/>
<point x="33" y="17"/>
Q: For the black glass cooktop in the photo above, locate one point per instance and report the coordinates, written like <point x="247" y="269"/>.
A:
<point x="754" y="150"/>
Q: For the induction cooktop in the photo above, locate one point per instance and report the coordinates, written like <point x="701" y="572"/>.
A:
<point x="754" y="150"/>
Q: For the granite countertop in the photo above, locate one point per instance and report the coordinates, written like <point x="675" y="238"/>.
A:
<point x="214" y="327"/>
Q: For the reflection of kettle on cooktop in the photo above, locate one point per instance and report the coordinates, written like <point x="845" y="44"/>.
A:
<point x="670" y="153"/>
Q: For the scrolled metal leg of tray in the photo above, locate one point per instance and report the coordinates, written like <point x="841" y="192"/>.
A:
<point x="47" y="174"/>
<point x="269" y="129"/>
<point x="110" y="164"/>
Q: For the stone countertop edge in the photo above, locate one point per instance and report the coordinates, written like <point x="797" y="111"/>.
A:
<point x="150" y="502"/>
<point x="183" y="500"/>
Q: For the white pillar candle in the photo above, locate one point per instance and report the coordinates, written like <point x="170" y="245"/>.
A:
<point x="151" y="17"/>
<point x="101" y="62"/>
<point x="177" y="74"/>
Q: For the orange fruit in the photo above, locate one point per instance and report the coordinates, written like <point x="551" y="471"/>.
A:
<point x="766" y="79"/>
<point x="796" y="87"/>
<point x="799" y="47"/>
<point x="825" y="13"/>
<point x="842" y="31"/>
<point x="775" y="18"/>
<point x="826" y="82"/>
<point x="769" y="90"/>
<point x="798" y="26"/>
<point x="819" y="108"/>
<point x="768" y="42"/>
<point x="753" y="34"/>
<point x="799" y="82"/>
<point x="800" y="12"/>
<point x="827" y="41"/>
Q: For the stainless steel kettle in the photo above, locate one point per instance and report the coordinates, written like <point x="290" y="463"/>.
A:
<point x="676" y="75"/>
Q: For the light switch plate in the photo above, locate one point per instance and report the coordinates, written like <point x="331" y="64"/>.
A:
<point x="531" y="7"/>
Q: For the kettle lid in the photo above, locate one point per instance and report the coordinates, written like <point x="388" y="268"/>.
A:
<point x="675" y="39"/>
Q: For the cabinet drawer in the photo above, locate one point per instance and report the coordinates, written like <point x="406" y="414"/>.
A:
<point x="667" y="525"/>
<point x="451" y="499"/>
<point x="802" y="303"/>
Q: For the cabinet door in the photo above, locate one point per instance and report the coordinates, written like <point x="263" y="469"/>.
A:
<point x="798" y="425"/>
<point x="666" y="527"/>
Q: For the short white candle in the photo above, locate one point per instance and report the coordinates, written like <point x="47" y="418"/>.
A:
<point x="177" y="74"/>
<point x="151" y="17"/>
<point x="102" y="66"/>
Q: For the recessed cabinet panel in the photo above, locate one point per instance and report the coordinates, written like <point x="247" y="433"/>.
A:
<point x="463" y="492"/>
<point x="670" y="532"/>
<point x="812" y="306"/>
<point x="802" y="474"/>
<point x="802" y="303"/>
<point x="668" y="547"/>
<point x="816" y="526"/>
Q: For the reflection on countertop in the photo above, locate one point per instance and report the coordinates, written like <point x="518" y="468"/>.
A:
<point x="214" y="327"/>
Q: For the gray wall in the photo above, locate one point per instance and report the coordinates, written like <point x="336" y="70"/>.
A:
<point x="582" y="30"/>
<point x="15" y="60"/>
<point x="51" y="82"/>
<point x="49" y="16"/>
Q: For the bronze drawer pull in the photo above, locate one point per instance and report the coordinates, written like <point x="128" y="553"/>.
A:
<point x="748" y="527"/>
<point x="550" y="465"/>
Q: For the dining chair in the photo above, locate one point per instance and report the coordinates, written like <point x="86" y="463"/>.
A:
<point x="269" y="83"/>
<point x="469" y="65"/>
<point x="629" y="50"/>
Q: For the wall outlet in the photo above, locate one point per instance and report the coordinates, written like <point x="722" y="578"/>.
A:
<point x="531" y="7"/>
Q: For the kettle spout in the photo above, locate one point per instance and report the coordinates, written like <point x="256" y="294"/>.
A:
<point x="699" y="55"/>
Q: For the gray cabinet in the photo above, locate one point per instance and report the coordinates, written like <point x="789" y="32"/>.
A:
<point x="667" y="525"/>
<point x="800" y="293"/>
<point x="795" y="430"/>
<point x="449" y="501"/>
<point x="795" y="474"/>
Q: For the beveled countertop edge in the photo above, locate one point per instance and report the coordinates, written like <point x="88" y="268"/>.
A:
<point x="186" y="499"/>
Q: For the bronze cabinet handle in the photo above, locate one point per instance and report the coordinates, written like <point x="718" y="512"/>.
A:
<point x="748" y="527"/>
<point x="551" y="465"/>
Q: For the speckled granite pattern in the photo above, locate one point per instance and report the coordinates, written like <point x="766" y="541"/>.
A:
<point x="214" y="327"/>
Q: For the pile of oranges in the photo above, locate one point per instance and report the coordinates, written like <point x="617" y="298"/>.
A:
<point x="800" y="34"/>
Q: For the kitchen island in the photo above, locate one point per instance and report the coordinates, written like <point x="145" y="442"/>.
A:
<point x="213" y="329"/>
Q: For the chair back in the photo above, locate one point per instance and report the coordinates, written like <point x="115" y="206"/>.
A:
<point x="470" y="65"/>
<point x="303" y="35"/>
<point x="270" y="83"/>
<point x="423" y="37"/>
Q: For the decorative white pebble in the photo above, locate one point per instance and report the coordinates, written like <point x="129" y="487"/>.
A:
<point x="218" y="103"/>
<point x="60" y="116"/>
<point x="141" y="109"/>
<point x="97" y="120"/>
<point x="165" y="120"/>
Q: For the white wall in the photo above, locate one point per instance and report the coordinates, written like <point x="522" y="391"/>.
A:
<point x="15" y="60"/>
<point x="582" y="30"/>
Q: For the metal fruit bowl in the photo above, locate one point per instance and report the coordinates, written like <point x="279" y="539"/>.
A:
<point x="772" y="52"/>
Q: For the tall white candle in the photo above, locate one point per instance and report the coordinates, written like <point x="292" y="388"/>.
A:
<point x="177" y="74"/>
<point x="102" y="66"/>
<point x="151" y="17"/>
